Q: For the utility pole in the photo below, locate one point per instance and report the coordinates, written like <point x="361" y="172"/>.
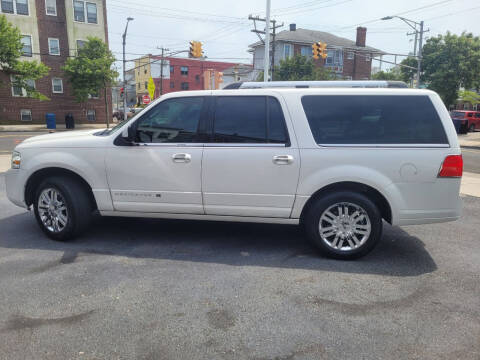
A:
<point x="161" y="69"/>
<point x="266" y="63"/>
<point x="420" y="53"/>
<point x="258" y="32"/>
<point x="124" y="42"/>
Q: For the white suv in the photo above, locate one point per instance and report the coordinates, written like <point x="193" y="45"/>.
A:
<point x="337" y="161"/>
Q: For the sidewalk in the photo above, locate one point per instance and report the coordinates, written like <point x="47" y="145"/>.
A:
<point x="43" y="128"/>
<point x="471" y="140"/>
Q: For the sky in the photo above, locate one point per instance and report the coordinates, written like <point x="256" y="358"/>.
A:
<point x="225" y="31"/>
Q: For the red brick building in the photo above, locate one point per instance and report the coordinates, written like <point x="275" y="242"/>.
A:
<point x="52" y="30"/>
<point x="179" y="74"/>
<point x="349" y="60"/>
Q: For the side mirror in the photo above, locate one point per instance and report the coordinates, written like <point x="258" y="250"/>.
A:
<point x="128" y="134"/>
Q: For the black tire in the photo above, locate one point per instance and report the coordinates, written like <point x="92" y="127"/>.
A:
<point x="471" y="128"/>
<point x="312" y="224"/>
<point x="77" y="202"/>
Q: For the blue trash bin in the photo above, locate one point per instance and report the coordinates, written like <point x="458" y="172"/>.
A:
<point x="51" y="121"/>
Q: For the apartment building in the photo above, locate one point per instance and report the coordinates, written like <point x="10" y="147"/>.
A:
<point x="52" y="31"/>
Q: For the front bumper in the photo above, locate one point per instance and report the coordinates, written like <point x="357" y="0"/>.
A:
<point x="15" y="184"/>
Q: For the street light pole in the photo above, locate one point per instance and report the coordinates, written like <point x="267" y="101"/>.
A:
<point x="266" y="60"/>
<point x="413" y="25"/>
<point x="124" y="37"/>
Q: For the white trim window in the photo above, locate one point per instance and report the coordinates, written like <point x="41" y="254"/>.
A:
<point x="368" y="57"/>
<point x="25" y="115"/>
<point x="51" y="7"/>
<point x="27" y="45"/>
<point x="287" y="51"/>
<point x="18" y="91"/>
<point x="57" y="86"/>
<point x="84" y="11"/>
<point x="350" y="55"/>
<point x="306" y="51"/>
<point x="53" y="46"/>
<point x="19" y="7"/>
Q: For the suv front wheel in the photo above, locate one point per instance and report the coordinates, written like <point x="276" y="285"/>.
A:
<point x="62" y="208"/>
<point x="344" y="225"/>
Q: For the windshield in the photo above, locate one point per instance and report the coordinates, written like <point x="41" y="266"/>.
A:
<point x="458" y="114"/>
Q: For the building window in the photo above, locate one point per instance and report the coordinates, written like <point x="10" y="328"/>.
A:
<point x="172" y="68"/>
<point x="91" y="12"/>
<point x="184" y="85"/>
<point x="172" y="85"/>
<point x="91" y="115"/>
<point x="334" y="57"/>
<point x="79" y="10"/>
<point x="27" y="45"/>
<point x="80" y="44"/>
<point x="184" y="70"/>
<point x="19" y="91"/>
<point x="53" y="46"/>
<point x="306" y="51"/>
<point x="19" y="7"/>
<point x="51" y="7"/>
<point x="7" y="6"/>
<point x="57" y="85"/>
<point x="348" y="78"/>
<point x="287" y="51"/>
<point x="197" y="78"/>
<point x="146" y="85"/>
<point x="22" y="7"/>
<point x="368" y="57"/>
<point x="350" y="55"/>
<point x="26" y="115"/>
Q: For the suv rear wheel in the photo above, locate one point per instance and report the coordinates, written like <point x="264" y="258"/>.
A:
<point x="62" y="208"/>
<point x="344" y="225"/>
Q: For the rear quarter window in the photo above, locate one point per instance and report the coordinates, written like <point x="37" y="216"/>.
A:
<point x="373" y="119"/>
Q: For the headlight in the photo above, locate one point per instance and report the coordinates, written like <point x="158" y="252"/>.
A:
<point x="16" y="160"/>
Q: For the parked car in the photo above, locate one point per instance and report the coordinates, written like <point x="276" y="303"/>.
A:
<point x="336" y="161"/>
<point x="465" y="120"/>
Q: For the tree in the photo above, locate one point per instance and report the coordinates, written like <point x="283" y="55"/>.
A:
<point x="470" y="97"/>
<point x="393" y="74"/>
<point x="299" y="68"/>
<point x="451" y="62"/>
<point x="21" y="71"/>
<point x="91" y="71"/>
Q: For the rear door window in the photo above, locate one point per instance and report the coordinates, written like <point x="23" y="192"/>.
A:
<point x="373" y="119"/>
<point x="249" y="119"/>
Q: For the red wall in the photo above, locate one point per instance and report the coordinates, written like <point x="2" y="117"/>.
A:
<point x="195" y="79"/>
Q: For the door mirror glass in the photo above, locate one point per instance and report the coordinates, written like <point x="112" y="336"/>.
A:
<point x="128" y="134"/>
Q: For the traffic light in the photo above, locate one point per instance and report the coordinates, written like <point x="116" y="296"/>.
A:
<point x="196" y="50"/>
<point x="122" y="91"/>
<point x="315" y="51"/>
<point x="218" y="79"/>
<point x="322" y="50"/>
<point x="319" y="50"/>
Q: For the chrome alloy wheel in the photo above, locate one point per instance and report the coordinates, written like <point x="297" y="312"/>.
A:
<point x="345" y="226"/>
<point x="52" y="210"/>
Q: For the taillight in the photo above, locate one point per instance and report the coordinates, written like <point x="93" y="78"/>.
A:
<point x="452" y="166"/>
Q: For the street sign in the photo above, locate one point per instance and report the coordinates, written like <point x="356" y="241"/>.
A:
<point x="151" y="88"/>
<point x="146" y="99"/>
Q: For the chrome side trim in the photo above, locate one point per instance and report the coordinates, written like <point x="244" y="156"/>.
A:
<point x="393" y="146"/>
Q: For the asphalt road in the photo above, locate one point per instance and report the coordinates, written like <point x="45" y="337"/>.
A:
<point x="154" y="289"/>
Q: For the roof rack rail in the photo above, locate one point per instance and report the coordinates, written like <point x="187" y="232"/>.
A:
<point x="317" y="84"/>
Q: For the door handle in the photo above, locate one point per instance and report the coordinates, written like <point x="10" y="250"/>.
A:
<point x="181" y="158"/>
<point x="283" y="159"/>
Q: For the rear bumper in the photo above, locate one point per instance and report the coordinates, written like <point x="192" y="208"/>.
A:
<point x="15" y="186"/>
<point x="419" y="217"/>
